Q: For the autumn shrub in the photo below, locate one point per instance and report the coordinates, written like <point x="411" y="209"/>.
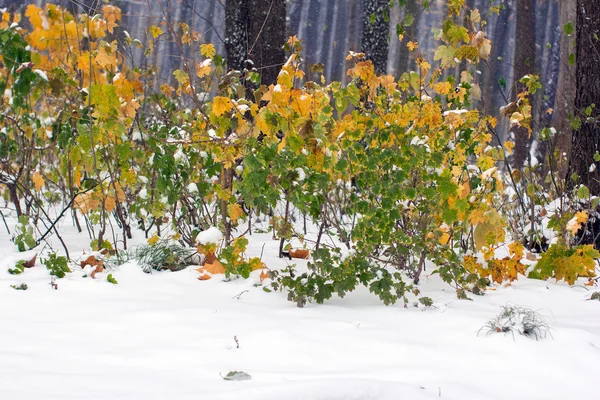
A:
<point x="402" y="172"/>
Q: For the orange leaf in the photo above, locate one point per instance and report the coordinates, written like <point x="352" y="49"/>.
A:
<point x="264" y="275"/>
<point x="204" y="277"/>
<point x="214" y="268"/>
<point x="300" y="253"/>
<point x="38" y="180"/>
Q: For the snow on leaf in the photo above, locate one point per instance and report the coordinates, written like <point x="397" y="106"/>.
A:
<point x="237" y="376"/>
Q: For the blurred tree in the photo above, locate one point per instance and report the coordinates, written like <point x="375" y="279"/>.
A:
<point x="586" y="138"/>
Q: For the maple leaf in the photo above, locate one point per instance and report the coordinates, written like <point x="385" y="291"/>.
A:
<point x="221" y="105"/>
<point x="412" y="46"/>
<point x="112" y="14"/>
<point x="34" y="14"/>
<point x="182" y="77"/>
<point x="582" y="217"/>
<point x="234" y="211"/>
<point x="208" y="50"/>
<point x="442" y="88"/>
<point x="155" y="31"/>
<point x="104" y="58"/>
<point x="508" y="145"/>
<point x="167" y="89"/>
<point x="110" y="203"/>
<point x="203" y="68"/>
<point x="38" y="180"/>
<point x="446" y="56"/>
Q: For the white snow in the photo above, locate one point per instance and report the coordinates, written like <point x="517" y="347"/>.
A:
<point x="458" y="112"/>
<point x="41" y="74"/>
<point x="211" y="235"/>
<point x="169" y="336"/>
<point x="192" y="188"/>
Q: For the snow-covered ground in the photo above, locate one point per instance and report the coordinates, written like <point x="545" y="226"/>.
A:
<point x="170" y="336"/>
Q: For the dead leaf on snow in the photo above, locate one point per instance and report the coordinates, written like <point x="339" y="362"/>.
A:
<point x="99" y="268"/>
<point x="300" y="253"/>
<point x="31" y="262"/>
<point x="264" y="275"/>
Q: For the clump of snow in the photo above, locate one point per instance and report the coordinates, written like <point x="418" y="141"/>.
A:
<point x="301" y="174"/>
<point x="458" y="112"/>
<point x="488" y="173"/>
<point x="41" y="74"/>
<point x="417" y="141"/>
<point x="192" y="188"/>
<point x="211" y="235"/>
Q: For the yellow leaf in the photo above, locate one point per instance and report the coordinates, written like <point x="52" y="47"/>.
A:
<point x="221" y="105"/>
<point x="444" y="238"/>
<point x="412" y="46"/>
<point x="38" y="181"/>
<point x="104" y="59"/>
<point x="153" y="240"/>
<point x="167" y="89"/>
<point x="442" y="88"/>
<point x="155" y="31"/>
<point x="111" y="14"/>
<point x="508" y="145"/>
<point x="110" y="203"/>
<point x="463" y="190"/>
<point x="234" y="211"/>
<point x="203" y="68"/>
<point x="582" y="217"/>
<point x="33" y="13"/>
<point x="208" y="50"/>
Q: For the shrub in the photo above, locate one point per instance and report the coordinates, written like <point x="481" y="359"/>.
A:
<point x="518" y="319"/>
<point x="163" y="255"/>
<point x="57" y="265"/>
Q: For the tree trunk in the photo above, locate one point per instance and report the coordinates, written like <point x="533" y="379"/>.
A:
<point x="586" y="139"/>
<point x="266" y="37"/>
<point x="524" y="64"/>
<point x="565" y="94"/>
<point x="375" y="33"/>
<point x="236" y="33"/>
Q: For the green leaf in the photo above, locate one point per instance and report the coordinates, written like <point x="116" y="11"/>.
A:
<point x="569" y="28"/>
<point x="583" y="192"/>
<point x="237" y="376"/>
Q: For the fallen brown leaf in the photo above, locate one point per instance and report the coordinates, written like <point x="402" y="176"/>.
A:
<point x="300" y="253"/>
<point x="91" y="260"/>
<point x="99" y="268"/>
<point x="214" y="268"/>
<point x="31" y="262"/>
<point x="264" y="275"/>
